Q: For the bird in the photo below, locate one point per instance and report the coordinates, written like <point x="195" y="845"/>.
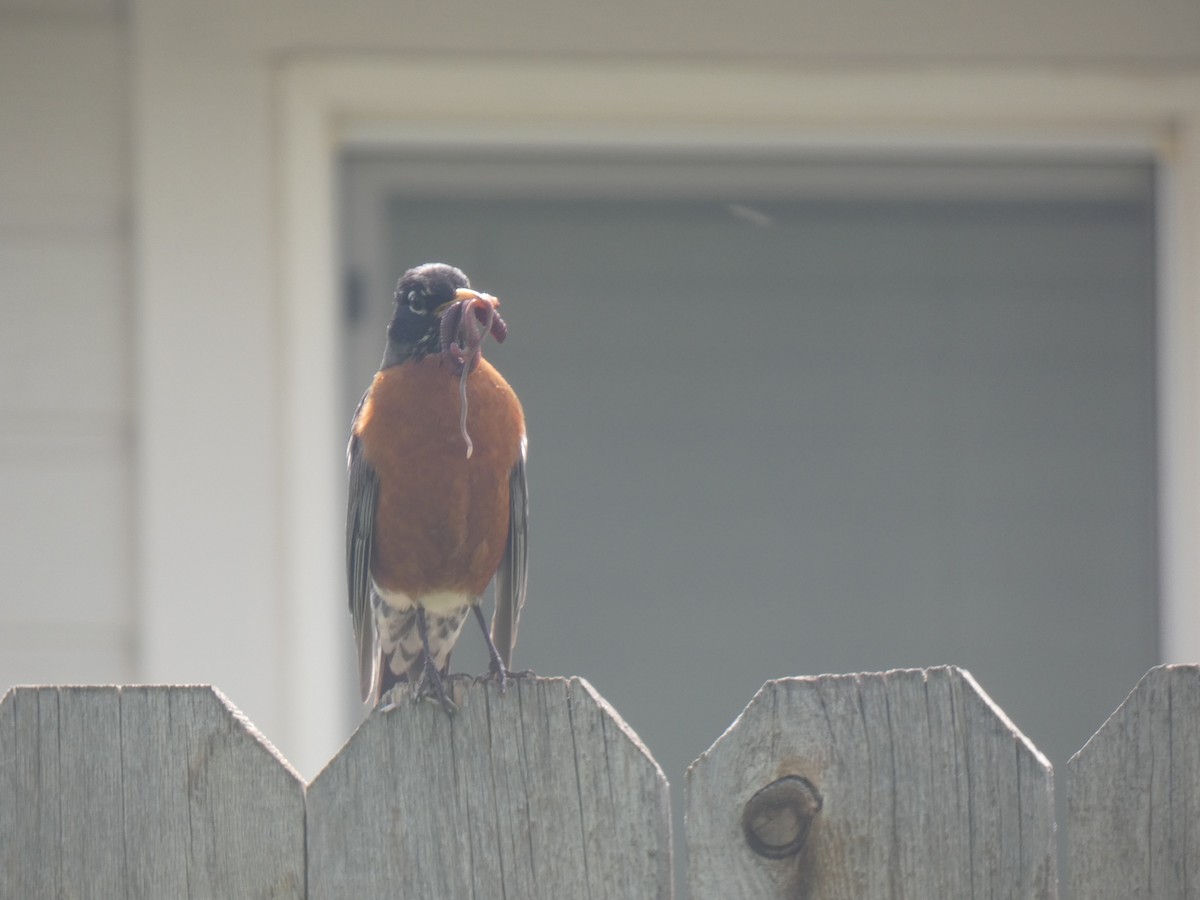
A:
<point x="437" y="503"/>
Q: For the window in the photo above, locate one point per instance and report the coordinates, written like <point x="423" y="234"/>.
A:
<point x="798" y="416"/>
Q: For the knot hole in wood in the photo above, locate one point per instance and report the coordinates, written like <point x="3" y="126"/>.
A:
<point x="777" y="818"/>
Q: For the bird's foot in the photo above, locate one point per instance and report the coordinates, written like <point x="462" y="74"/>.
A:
<point x="404" y="692"/>
<point x="433" y="687"/>
<point x="502" y="676"/>
<point x="430" y="683"/>
<point x="390" y="699"/>
<point x="497" y="672"/>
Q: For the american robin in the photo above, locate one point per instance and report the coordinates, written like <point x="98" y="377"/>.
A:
<point x="437" y="494"/>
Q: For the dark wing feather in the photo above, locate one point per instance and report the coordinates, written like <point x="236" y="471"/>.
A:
<point x="512" y="574"/>
<point x="360" y="529"/>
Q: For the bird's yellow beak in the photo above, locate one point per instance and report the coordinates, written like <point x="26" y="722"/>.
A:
<point x="463" y="295"/>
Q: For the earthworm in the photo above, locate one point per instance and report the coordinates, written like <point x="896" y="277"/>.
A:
<point x="462" y="416"/>
<point x="465" y="324"/>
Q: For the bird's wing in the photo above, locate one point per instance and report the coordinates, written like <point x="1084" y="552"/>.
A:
<point x="511" y="576"/>
<point x="360" y="528"/>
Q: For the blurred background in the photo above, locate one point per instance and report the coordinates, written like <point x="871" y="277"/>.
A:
<point x="850" y="337"/>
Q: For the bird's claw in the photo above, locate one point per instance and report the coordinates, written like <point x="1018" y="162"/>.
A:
<point x="432" y="687"/>
<point x="496" y="674"/>
<point x="503" y="677"/>
<point x="443" y="701"/>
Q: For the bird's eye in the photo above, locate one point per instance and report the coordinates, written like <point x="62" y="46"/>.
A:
<point x="418" y="302"/>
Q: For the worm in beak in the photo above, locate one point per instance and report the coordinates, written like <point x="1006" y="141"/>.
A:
<point x="466" y="322"/>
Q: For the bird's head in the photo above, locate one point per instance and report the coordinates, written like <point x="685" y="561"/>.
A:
<point x="435" y="311"/>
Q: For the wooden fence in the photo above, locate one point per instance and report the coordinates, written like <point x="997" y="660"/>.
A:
<point x="903" y="784"/>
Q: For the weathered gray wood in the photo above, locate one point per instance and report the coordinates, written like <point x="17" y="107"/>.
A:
<point x="143" y="792"/>
<point x="1133" y="795"/>
<point x="927" y="790"/>
<point x="542" y="792"/>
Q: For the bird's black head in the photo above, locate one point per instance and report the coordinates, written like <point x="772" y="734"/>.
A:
<point x="422" y="295"/>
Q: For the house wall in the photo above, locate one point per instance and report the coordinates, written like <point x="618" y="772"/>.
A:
<point x="139" y="229"/>
<point x="1060" y="32"/>
<point x="67" y="437"/>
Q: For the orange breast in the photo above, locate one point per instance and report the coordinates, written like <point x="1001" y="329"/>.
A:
<point x="442" y="519"/>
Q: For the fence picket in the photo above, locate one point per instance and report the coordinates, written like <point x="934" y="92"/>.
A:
<point x="542" y="792"/>
<point x="143" y="792"/>
<point x="1133" y="795"/>
<point x="898" y="784"/>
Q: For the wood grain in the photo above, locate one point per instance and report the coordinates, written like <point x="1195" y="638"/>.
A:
<point x="927" y="790"/>
<point x="143" y="792"/>
<point x="542" y="792"/>
<point x="1133" y="795"/>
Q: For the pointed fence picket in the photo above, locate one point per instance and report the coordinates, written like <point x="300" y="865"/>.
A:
<point x="151" y="792"/>
<point x="896" y="784"/>
<point x="1133" y="798"/>
<point x="900" y="784"/>
<point x="540" y="793"/>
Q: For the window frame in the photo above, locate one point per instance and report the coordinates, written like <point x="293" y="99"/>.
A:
<point x="514" y="106"/>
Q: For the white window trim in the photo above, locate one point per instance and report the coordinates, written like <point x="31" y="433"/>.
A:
<point x="323" y="105"/>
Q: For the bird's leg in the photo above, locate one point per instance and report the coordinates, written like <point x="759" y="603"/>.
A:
<point x="496" y="669"/>
<point x="430" y="673"/>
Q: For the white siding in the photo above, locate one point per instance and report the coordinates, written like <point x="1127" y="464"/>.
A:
<point x="163" y="174"/>
<point x="66" y="446"/>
